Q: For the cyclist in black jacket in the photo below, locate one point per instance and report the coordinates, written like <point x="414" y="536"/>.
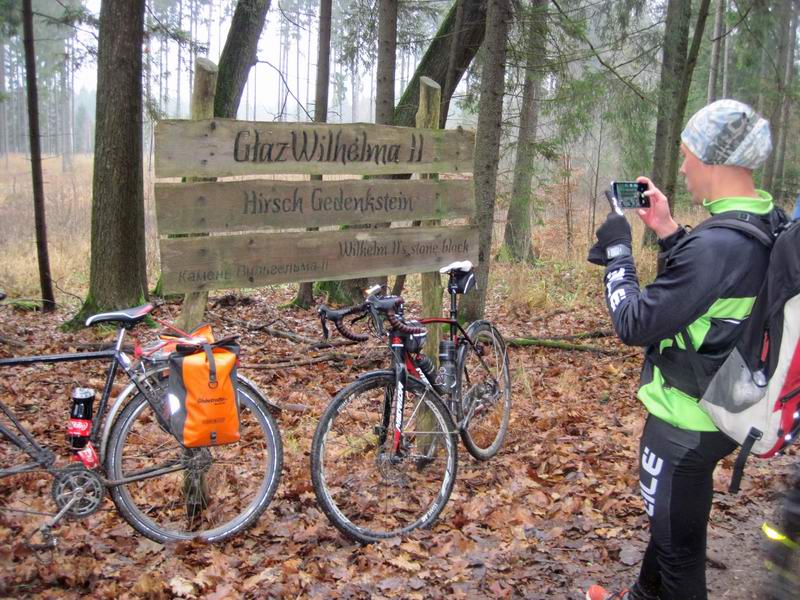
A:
<point x="705" y="289"/>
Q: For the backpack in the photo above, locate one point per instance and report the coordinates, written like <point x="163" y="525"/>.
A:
<point x="201" y="407"/>
<point x="754" y="397"/>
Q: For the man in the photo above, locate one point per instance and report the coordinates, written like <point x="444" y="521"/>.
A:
<point x="705" y="289"/>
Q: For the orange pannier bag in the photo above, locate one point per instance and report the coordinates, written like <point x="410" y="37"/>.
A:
<point x="172" y="339"/>
<point x="201" y="407"/>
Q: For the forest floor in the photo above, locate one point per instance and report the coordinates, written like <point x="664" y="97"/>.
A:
<point x="556" y="510"/>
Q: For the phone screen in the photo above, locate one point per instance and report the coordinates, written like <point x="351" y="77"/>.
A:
<point x="629" y="194"/>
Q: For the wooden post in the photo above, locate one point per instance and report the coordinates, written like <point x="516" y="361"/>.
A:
<point x="205" y="85"/>
<point x="430" y="101"/>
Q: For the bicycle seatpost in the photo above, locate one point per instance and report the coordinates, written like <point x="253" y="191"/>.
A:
<point x="453" y="289"/>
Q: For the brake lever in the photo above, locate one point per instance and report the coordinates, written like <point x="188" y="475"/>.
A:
<point x="376" y="319"/>
<point x="322" y="321"/>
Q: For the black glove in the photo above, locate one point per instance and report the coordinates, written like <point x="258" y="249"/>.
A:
<point x="614" y="234"/>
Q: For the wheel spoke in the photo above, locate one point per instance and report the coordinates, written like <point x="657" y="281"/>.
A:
<point x="370" y="491"/>
<point x="219" y="491"/>
<point x="485" y="388"/>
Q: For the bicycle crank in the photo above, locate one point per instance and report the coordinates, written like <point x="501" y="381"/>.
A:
<point x="77" y="491"/>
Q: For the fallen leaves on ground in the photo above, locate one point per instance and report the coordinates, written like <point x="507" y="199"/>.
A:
<point x="557" y="509"/>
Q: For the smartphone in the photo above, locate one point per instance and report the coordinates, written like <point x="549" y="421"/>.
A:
<point x="630" y="194"/>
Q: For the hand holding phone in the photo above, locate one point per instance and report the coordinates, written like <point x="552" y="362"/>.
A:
<point x="630" y="194"/>
<point x="657" y="217"/>
<point x="612" y="201"/>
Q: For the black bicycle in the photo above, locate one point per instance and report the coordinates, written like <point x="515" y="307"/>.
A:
<point x="165" y="491"/>
<point x="384" y="454"/>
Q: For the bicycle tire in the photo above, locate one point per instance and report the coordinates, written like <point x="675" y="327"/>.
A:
<point x="486" y="392"/>
<point x="233" y="491"/>
<point x="382" y="499"/>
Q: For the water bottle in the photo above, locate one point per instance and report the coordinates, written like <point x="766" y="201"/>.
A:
<point x="446" y="377"/>
<point x="748" y="388"/>
<point x="80" y="427"/>
<point x="425" y="364"/>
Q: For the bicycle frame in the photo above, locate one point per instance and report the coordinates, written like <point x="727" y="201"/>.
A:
<point x="403" y="363"/>
<point x="44" y="458"/>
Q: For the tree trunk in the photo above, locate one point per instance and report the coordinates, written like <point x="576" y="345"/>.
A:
<point x="355" y="86"/>
<point x="118" y="276"/>
<point x="387" y="46"/>
<point x="676" y="40"/>
<point x="683" y="97"/>
<point x="239" y="55"/>
<point x="517" y="238"/>
<point x="761" y="102"/>
<point x="487" y="152"/>
<point x="595" y="182"/>
<point x="434" y="63"/>
<point x="66" y="122"/>
<point x="45" y="279"/>
<point x="3" y="104"/>
<point x="160" y="103"/>
<point x="566" y="171"/>
<point x="783" y="123"/>
<point x="179" y="70"/>
<point x="716" y="42"/>
<point x="677" y="68"/>
<point x="284" y="97"/>
<point x="773" y="106"/>
<point x="384" y="109"/>
<point x="298" y="104"/>
<point x="726" y="49"/>
<point x="373" y="74"/>
<point x="310" y="25"/>
<point x="305" y="294"/>
<point x="452" y="55"/>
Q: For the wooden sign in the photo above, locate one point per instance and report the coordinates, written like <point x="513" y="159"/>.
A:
<point x="225" y="147"/>
<point x="259" y="203"/>
<point x="204" y="263"/>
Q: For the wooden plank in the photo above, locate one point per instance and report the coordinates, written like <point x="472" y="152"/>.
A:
<point x="225" y="147"/>
<point x="252" y="260"/>
<point x="262" y="204"/>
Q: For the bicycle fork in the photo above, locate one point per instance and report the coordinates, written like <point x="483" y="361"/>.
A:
<point x="400" y="379"/>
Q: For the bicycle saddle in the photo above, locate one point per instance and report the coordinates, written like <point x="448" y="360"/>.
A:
<point x="125" y="316"/>
<point x="459" y="265"/>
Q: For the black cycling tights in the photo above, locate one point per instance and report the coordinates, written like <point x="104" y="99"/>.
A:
<point x="676" y="469"/>
<point x="784" y="556"/>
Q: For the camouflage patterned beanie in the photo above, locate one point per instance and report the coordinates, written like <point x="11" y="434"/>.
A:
<point x="728" y="132"/>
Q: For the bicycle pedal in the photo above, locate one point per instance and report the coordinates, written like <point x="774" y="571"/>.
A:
<point x="49" y="541"/>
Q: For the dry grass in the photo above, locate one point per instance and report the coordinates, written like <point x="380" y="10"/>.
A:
<point x="68" y="214"/>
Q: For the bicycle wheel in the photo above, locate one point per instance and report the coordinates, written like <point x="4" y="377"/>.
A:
<point x="368" y="491"/>
<point x="484" y="386"/>
<point x="216" y="493"/>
